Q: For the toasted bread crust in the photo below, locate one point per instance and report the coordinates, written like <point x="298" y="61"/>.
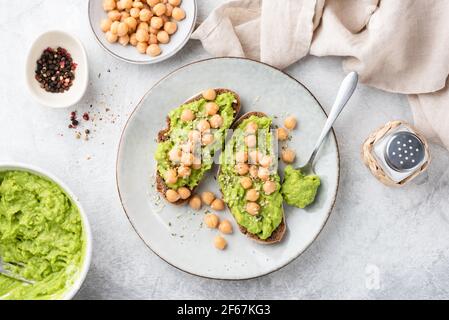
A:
<point x="279" y="232"/>
<point x="163" y="136"/>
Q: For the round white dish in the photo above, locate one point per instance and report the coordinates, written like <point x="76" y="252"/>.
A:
<point x="174" y="233"/>
<point x="71" y="292"/>
<point x="76" y="92"/>
<point x="129" y="53"/>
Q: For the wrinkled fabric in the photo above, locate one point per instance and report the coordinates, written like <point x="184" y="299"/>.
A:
<point x="397" y="46"/>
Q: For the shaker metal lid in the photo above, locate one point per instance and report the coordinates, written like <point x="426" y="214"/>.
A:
<point x="404" y="152"/>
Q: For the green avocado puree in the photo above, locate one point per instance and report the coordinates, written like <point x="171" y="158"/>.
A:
<point x="271" y="212"/>
<point x="299" y="190"/>
<point x="178" y="135"/>
<point x="40" y="228"/>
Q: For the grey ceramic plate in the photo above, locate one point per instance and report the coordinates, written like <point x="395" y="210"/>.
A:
<point x="129" y="53"/>
<point x="175" y="233"/>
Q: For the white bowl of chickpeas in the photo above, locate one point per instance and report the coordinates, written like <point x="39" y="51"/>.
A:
<point x="142" y="31"/>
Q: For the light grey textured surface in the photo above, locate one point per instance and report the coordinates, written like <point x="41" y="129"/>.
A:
<point x="401" y="234"/>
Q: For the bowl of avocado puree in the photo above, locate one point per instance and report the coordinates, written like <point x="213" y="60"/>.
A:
<point x="45" y="235"/>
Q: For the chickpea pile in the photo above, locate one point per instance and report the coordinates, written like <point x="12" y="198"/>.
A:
<point x="253" y="167"/>
<point x="287" y="155"/>
<point x="184" y="158"/>
<point x="142" y="23"/>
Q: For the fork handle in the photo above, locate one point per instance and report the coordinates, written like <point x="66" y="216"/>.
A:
<point x="345" y="92"/>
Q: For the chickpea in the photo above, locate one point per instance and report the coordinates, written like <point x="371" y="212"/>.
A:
<point x="156" y="22"/>
<point x="282" y="134"/>
<point x="133" y="40"/>
<point x="123" y="16"/>
<point x="263" y="174"/>
<point x="217" y="205"/>
<point x="288" y="156"/>
<point x="169" y="10"/>
<point x="211" y="220"/>
<point x="111" y="37"/>
<point x="145" y="15"/>
<point x="195" y="203"/>
<point x="225" y="227"/>
<point x="207" y="197"/>
<point x="175" y="155"/>
<point x="187" y="159"/>
<point x="171" y="176"/>
<point x="255" y="156"/>
<point x="211" y="108"/>
<point x="209" y="94"/>
<point x="184" y="193"/>
<point x="187" y="147"/>
<point x="251" y="128"/>
<point x="143" y="26"/>
<point x="154" y="50"/>
<point x="184" y="171"/>
<point x="119" y="5"/>
<point x="203" y="125"/>
<point x="266" y="161"/>
<point x="246" y="182"/>
<point x="251" y="141"/>
<point x="207" y="139"/>
<point x="142" y="36"/>
<point x="164" y="19"/>
<point x="241" y="157"/>
<point x="153" y="31"/>
<point x="187" y="115"/>
<point x="254" y="172"/>
<point x="122" y="29"/>
<point x="114" y="27"/>
<point x="135" y="13"/>
<point x="132" y="23"/>
<point x="152" y="3"/>
<point x="159" y="9"/>
<point x="142" y="47"/>
<point x="290" y="122"/>
<point x="252" y="195"/>
<point x="153" y="39"/>
<point x="108" y="5"/>
<point x="124" y="40"/>
<point x="172" y="196"/>
<point x="220" y="243"/>
<point x="138" y="5"/>
<point x="196" y="164"/>
<point x="216" y="121"/>
<point x="174" y="3"/>
<point x="114" y="15"/>
<point x="269" y="187"/>
<point x="178" y="14"/>
<point x="163" y="37"/>
<point x="194" y="136"/>
<point x="127" y="4"/>
<point x="106" y="25"/>
<point x="252" y="208"/>
<point x="242" y="168"/>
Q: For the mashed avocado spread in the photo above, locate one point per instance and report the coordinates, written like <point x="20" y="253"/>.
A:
<point x="41" y="229"/>
<point x="299" y="190"/>
<point x="177" y="136"/>
<point x="271" y="211"/>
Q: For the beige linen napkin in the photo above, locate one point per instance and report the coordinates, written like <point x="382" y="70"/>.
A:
<point x="397" y="46"/>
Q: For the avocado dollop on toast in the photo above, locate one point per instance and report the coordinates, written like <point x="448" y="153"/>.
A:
<point x="195" y="130"/>
<point x="249" y="180"/>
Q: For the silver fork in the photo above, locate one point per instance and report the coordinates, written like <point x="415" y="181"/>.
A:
<point x="345" y="92"/>
<point x="11" y="274"/>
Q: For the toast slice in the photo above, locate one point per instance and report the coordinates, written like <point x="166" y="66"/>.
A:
<point x="279" y="232"/>
<point x="163" y="136"/>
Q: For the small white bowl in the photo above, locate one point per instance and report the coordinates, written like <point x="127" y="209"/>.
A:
<point x="130" y="53"/>
<point x="71" y="292"/>
<point x="54" y="39"/>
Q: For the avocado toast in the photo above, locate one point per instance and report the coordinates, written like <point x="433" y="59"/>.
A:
<point x="249" y="180"/>
<point x="195" y="130"/>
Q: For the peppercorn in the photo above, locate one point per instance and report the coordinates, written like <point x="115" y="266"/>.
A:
<point x="55" y="70"/>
